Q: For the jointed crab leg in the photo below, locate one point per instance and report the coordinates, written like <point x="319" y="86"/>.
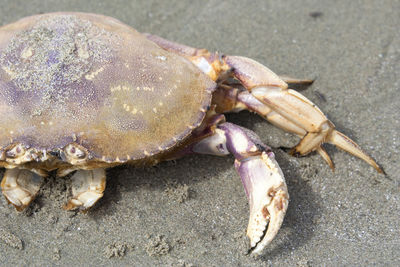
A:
<point x="292" y="80"/>
<point x="261" y="176"/>
<point x="230" y="99"/>
<point x="292" y="106"/>
<point x="20" y="187"/>
<point x="87" y="188"/>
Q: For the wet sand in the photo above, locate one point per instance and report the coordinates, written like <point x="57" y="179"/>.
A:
<point x="194" y="212"/>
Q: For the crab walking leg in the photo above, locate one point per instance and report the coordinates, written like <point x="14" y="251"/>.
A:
<point x="272" y="91"/>
<point x="87" y="188"/>
<point x="288" y="79"/>
<point x="180" y="49"/>
<point x="20" y="187"/>
<point x="230" y="99"/>
<point x="200" y="56"/>
<point x="207" y="62"/>
<point x="261" y="176"/>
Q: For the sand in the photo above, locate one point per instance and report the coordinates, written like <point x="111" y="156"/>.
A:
<point x="194" y="212"/>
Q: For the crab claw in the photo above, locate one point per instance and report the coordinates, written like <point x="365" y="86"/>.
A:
<point x="268" y="197"/>
<point x="261" y="176"/>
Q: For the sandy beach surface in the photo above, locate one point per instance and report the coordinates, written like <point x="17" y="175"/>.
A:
<point x="194" y="212"/>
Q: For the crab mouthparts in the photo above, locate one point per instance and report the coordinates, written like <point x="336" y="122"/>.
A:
<point x="266" y="190"/>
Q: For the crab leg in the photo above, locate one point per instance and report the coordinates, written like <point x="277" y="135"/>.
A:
<point x="180" y="49"/>
<point x="230" y="99"/>
<point x="292" y="106"/>
<point x="20" y="187"/>
<point x="207" y="62"/>
<point x="87" y="188"/>
<point x="288" y="79"/>
<point x="261" y="176"/>
<point x="283" y="107"/>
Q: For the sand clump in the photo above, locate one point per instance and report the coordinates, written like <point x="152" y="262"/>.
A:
<point x="157" y="246"/>
<point x="10" y="239"/>
<point x="117" y="249"/>
<point x="178" y="192"/>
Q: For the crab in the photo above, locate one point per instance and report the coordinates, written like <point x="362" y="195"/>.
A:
<point x="80" y="93"/>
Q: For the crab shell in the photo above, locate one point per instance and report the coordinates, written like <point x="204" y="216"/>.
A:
<point x="119" y="96"/>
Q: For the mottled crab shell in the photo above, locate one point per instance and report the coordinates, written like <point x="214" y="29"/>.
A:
<point x="92" y="80"/>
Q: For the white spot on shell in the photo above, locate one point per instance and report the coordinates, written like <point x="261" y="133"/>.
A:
<point x="9" y="72"/>
<point x="161" y="58"/>
<point x="204" y="66"/>
<point x="92" y="75"/>
<point x="83" y="53"/>
<point x="116" y="88"/>
<point x="27" y="53"/>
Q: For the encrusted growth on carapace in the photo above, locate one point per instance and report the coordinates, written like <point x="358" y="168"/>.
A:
<point x="35" y="56"/>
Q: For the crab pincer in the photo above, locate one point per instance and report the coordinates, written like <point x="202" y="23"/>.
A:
<point x="262" y="178"/>
<point x="263" y="182"/>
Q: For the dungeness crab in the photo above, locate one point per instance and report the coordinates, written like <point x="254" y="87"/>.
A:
<point x="83" y="92"/>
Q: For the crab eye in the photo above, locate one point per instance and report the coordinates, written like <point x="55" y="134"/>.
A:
<point x="75" y="151"/>
<point x="15" y="152"/>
